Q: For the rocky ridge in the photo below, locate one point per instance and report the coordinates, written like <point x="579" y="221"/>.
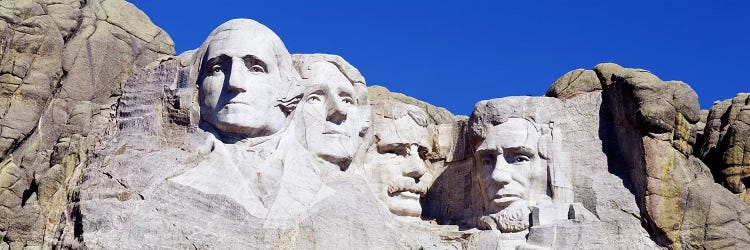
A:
<point x="99" y="117"/>
<point x="63" y="63"/>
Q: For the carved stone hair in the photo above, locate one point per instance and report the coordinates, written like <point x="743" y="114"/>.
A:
<point x="394" y="110"/>
<point x="303" y="62"/>
<point x="289" y="77"/>
<point x="543" y="113"/>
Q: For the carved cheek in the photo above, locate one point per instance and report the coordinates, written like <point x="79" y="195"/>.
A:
<point x="211" y="89"/>
<point x="315" y="109"/>
<point x="521" y="174"/>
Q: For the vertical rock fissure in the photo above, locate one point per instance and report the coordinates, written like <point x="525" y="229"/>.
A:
<point x="32" y="190"/>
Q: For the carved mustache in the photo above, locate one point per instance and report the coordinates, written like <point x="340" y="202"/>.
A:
<point x="335" y="132"/>
<point x="404" y="184"/>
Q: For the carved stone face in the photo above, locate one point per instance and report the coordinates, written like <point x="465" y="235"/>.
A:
<point x="240" y="83"/>
<point x="398" y="164"/>
<point x="508" y="159"/>
<point x="330" y="115"/>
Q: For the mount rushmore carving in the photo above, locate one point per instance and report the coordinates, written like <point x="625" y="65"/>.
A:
<point x="241" y="144"/>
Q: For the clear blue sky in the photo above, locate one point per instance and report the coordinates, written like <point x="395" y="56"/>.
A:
<point x="455" y="53"/>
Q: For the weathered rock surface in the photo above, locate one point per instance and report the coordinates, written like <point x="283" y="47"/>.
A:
<point x="62" y="66"/>
<point x="654" y="128"/>
<point x="573" y="83"/>
<point x="700" y="131"/>
<point x="108" y="141"/>
<point x="679" y="201"/>
<point x="437" y="115"/>
<point x="725" y="144"/>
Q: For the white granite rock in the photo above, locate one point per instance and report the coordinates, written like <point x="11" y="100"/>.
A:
<point x="239" y="144"/>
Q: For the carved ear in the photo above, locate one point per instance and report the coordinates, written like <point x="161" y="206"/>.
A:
<point x="365" y="127"/>
<point x="544" y="146"/>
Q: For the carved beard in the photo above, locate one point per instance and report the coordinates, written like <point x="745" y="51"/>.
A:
<point x="514" y="218"/>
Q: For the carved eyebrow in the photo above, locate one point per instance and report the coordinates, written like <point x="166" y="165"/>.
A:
<point x="217" y="59"/>
<point x="251" y="60"/>
<point x="316" y="89"/>
<point x="392" y="145"/>
<point x="344" y="92"/>
<point x="488" y="150"/>
<point x="399" y="148"/>
<point x="524" y="150"/>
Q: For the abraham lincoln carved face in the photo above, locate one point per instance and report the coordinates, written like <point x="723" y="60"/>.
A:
<point x="506" y="160"/>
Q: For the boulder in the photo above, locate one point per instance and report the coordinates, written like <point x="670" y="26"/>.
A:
<point x="680" y="203"/>
<point x="724" y="144"/>
<point x="573" y="83"/>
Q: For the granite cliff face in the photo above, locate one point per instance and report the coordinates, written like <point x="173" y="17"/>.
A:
<point x="724" y="144"/>
<point x="62" y="64"/>
<point x="655" y="124"/>
<point x="109" y="141"/>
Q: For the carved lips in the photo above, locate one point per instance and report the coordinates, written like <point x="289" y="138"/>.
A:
<point x="504" y="197"/>
<point x="334" y="132"/>
<point x="406" y="187"/>
<point x="237" y="103"/>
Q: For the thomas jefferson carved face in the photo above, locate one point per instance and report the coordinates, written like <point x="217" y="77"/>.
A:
<point x="330" y="115"/>
<point x="397" y="161"/>
<point x="240" y="81"/>
<point x="508" y="160"/>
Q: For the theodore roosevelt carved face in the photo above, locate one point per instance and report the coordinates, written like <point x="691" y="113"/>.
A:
<point x="397" y="161"/>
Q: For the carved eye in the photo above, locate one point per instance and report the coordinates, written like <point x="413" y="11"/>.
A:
<point x="422" y="153"/>
<point x="487" y="161"/>
<point x="257" y="68"/>
<point x="216" y="68"/>
<point x="313" y="99"/>
<point x="348" y="100"/>
<point x="397" y="151"/>
<point x="521" y="159"/>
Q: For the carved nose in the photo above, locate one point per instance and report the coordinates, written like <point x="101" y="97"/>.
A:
<point x="336" y="113"/>
<point x="414" y="165"/>
<point x="236" y="77"/>
<point x="500" y="174"/>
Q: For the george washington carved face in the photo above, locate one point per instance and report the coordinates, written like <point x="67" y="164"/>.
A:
<point x="243" y="75"/>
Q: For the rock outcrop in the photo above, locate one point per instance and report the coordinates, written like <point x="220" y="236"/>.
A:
<point x="679" y="201"/>
<point x="63" y="63"/>
<point x="573" y="83"/>
<point x="725" y="144"/>
<point x="109" y="141"/>
<point x="656" y="126"/>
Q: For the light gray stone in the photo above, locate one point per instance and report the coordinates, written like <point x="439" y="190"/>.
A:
<point x="63" y="63"/>
<point x="110" y="142"/>
<point x="673" y="188"/>
<point x="397" y="160"/>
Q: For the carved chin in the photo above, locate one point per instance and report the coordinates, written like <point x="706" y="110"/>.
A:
<point x="335" y="148"/>
<point x="405" y="204"/>
<point x="514" y="218"/>
<point x="244" y="124"/>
